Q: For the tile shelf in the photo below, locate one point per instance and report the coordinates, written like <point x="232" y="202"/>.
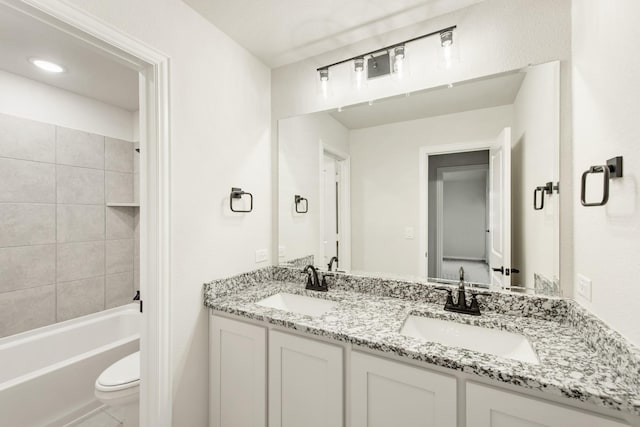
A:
<point x="123" y="205"/>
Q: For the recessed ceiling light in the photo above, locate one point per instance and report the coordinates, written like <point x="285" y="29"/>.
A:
<point x="47" y="65"/>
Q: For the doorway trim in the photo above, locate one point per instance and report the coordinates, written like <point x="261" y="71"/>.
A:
<point x="155" y="164"/>
<point x="423" y="190"/>
<point x="344" y="224"/>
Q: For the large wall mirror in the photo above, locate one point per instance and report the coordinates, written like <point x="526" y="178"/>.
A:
<point x="460" y="178"/>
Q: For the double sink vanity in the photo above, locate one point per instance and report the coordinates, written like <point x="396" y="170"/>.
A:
<point x="377" y="352"/>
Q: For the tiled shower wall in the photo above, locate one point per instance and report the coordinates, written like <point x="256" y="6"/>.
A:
<point x="63" y="252"/>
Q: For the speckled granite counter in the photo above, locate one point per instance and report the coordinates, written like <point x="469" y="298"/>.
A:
<point x="580" y="357"/>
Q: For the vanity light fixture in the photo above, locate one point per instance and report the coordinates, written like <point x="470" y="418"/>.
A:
<point x="358" y="73"/>
<point x="48" y="66"/>
<point x="446" y="38"/>
<point x="324" y="81"/>
<point x="377" y="62"/>
<point x="398" y="61"/>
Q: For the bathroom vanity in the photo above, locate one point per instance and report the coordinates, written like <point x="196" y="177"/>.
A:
<point x="361" y="356"/>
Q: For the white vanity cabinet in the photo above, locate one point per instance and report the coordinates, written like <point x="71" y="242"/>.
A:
<point x="305" y="382"/>
<point x="387" y="393"/>
<point x="490" y="407"/>
<point x="309" y="378"/>
<point x="238" y="385"/>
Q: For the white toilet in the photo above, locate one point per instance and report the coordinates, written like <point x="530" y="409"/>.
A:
<point x="118" y="387"/>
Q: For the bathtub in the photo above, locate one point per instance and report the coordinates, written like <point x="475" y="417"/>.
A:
<point x="47" y="375"/>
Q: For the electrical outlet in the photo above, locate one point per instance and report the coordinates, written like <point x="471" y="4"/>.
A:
<point x="408" y="233"/>
<point x="261" y="255"/>
<point x="282" y="252"/>
<point x="584" y="287"/>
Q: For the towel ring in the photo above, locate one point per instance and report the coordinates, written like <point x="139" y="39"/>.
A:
<point x="237" y="193"/>
<point x="613" y="169"/>
<point x="299" y="199"/>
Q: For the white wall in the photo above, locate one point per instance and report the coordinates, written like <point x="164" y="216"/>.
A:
<point x="606" y="39"/>
<point x="220" y="136"/>
<point x="299" y="170"/>
<point x="534" y="161"/>
<point x="385" y="180"/>
<point x="494" y="36"/>
<point x="464" y="211"/>
<point x="26" y="98"/>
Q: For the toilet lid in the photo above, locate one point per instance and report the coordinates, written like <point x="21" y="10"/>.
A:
<point x="125" y="373"/>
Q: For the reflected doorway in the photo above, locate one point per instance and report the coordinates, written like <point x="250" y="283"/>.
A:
<point x="462" y="194"/>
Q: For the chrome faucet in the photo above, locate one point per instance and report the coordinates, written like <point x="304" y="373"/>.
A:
<point x="313" y="284"/>
<point x="330" y="265"/>
<point x="461" y="306"/>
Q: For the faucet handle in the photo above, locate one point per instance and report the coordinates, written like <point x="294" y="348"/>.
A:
<point x="449" y="301"/>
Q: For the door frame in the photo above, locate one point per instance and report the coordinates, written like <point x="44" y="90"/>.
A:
<point x="440" y="211"/>
<point x="155" y="164"/>
<point x="344" y="220"/>
<point x="423" y="190"/>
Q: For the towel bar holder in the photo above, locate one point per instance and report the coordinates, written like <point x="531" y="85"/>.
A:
<point x="237" y="193"/>
<point x="613" y="169"/>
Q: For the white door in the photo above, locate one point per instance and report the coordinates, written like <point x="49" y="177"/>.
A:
<point x="488" y="407"/>
<point x="331" y="239"/>
<point x="500" y="210"/>
<point x="238" y="389"/>
<point x="305" y="382"/>
<point x="385" y="393"/>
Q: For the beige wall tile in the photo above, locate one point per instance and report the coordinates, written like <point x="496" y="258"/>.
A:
<point x="118" y="155"/>
<point x="80" y="223"/>
<point x="120" y="256"/>
<point x="80" y="297"/>
<point x="79" y="185"/>
<point x="77" y="148"/>
<point x="27" y="309"/>
<point x="26" y="181"/>
<point x="27" y="267"/>
<point x="119" y="289"/>
<point x="80" y="260"/>
<point x="120" y="223"/>
<point x="27" y="224"/>
<point x="27" y="139"/>
<point x="118" y="187"/>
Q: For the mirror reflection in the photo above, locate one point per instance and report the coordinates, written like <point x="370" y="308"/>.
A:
<point x="449" y="182"/>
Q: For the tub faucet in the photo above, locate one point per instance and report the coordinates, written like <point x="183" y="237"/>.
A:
<point x="313" y="284"/>
<point x="136" y="298"/>
<point x="330" y="265"/>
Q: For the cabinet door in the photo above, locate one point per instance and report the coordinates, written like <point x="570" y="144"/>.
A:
<point x="238" y="374"/>
<point x="385" y="393"/>
<point x="305" y="382"/>
<point x="489" y="407"/>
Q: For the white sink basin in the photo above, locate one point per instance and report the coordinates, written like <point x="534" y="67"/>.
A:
<point x="298" y="304"/>
<point x="485" y="340"/>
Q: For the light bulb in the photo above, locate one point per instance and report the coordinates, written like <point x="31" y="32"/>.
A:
<point x="324" y="82"/>
<point x="449" y="53"/>
<point x="358" y="73"/>
<point x="399" y="62"/>
<point x="446" y="38"/>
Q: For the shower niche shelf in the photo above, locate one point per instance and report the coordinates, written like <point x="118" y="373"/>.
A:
<point x="123" y="205"/>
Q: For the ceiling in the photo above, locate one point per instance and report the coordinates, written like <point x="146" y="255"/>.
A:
<point x="473" y="95"/>
<point x="89" y="72"/>
<point x="281" y="32"/>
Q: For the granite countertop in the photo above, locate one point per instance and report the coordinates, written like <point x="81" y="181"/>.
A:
<point x="571" y="364"/>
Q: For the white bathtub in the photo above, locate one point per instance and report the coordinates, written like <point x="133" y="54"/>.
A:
<point x="47" y="375"/>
